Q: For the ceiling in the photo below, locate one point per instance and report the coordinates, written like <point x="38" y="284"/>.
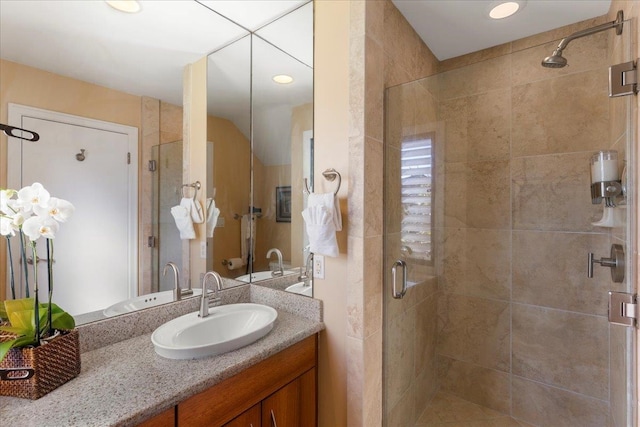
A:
<point x="456" y="27"/>
<point x="142" y="53"/>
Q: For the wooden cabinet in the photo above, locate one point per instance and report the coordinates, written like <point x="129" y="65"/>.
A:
<point x="164" y="419"/>
<point x="293" y="405"/>
<point x="284" y="384"/>
<point x="252" y="417"/>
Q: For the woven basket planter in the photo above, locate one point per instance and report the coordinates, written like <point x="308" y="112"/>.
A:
<point x="32" y="372"/>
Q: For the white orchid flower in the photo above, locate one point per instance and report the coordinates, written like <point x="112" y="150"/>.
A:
<point x="5" y="197"/>
<point x="6" y="226"/>
<point x="40" y="226"/>
<point x="58" y="209"/>
<point x="33" y="195"/>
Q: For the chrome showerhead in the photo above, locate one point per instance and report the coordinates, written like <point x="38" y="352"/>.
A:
<point x="556" y="60"/>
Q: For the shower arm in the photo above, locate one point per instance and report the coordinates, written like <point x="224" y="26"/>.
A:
<point x="602" y="27"/>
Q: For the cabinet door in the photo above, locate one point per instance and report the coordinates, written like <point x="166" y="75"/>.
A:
<point x="294" y="405"/>
<point x="282" y="408"/>
<point x="249" y="418"/>
<point x="164" y="419"/>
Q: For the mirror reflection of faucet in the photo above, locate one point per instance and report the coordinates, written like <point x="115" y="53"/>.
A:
<point x="280" y="271"/>
<point x="178" y="292"/>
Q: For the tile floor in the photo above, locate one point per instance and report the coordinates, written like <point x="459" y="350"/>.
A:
<point x="446" y="410"/>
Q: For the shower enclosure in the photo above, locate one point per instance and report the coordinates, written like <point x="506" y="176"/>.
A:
<point x="489" y="315"/>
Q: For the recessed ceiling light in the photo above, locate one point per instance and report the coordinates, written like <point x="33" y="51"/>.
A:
<point x="503" y="10"/>
<point x="283" y="79"/>
<point x="127" y="6"/>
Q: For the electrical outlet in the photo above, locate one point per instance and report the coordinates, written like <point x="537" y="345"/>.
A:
<point x="203" y="250"/>
<point x="318" y="266"/>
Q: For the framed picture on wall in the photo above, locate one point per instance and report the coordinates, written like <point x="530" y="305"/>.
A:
<point x="283" y="204"/>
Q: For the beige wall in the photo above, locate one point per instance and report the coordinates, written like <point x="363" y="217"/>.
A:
<point x="232" y="180"/>
<point x="331" y="127"/>
<point x="301" y="121"/>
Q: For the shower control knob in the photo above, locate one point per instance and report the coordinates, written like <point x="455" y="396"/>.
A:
<point x="615" y="262"/>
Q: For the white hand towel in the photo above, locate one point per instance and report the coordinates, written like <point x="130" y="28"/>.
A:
<point x="212" y="216"/>
<point x="183" y="221"/>
<point x="330" y="201"/>
<point x="247" y="233"/>
<point x="321" y="230"/>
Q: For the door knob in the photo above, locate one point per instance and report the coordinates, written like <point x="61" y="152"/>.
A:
<point x="615" y="262"/>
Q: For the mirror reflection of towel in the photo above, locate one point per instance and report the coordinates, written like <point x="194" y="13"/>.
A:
<point x="212" y="216"/>
<point x="247" y="231"/>
<point x="182" y="216"/>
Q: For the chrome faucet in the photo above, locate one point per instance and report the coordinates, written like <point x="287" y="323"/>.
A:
<point x="177" y="294"/>
<point x="204" y="301"/>
<point x="280" y="271"/>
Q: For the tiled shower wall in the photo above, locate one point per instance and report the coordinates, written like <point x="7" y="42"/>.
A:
<point x="521" y="329"/>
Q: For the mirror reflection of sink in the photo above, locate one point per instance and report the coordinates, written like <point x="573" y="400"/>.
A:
<point x="301" y="288"/>
<point x="261" y="275"/>
<point x="143" y="301"/>
<point x="227" y="328"/>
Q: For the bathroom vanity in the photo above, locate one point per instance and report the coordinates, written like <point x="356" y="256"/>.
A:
<point x="125" y="383"/>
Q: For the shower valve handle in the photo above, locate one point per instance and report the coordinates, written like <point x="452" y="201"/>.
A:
<point x="615" y="262"/>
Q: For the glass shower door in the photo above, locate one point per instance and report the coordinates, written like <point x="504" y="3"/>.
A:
<point x="499" y="322"/>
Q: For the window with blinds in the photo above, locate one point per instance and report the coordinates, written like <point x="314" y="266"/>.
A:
<point x="416" y="184"/>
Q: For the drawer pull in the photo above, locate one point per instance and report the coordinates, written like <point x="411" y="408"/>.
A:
<point x="273" y="419"/>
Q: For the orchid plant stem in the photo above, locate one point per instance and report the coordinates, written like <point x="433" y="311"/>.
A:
<point x="36" y="303"/>
<point x="12" y="280"/>
<point x="50" y="283"/>
<point x="24" y="264"/>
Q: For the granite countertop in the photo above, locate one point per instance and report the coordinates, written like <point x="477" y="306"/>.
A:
<point x="125" y="383"/>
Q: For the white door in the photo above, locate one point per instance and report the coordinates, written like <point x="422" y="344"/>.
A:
<point x="95" y="251"/>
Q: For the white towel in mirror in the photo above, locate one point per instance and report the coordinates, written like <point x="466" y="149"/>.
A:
<point x="212" y="216"/>
<point x="182" y="216"/>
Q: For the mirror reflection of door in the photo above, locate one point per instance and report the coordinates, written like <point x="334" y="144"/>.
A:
<point x="102" y="185"/>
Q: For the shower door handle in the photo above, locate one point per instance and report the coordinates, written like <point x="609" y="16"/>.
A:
<point x="394" y="270"/>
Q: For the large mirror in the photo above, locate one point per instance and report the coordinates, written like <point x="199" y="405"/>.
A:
<point x="275" y="117"/>
<point x="87" y="61"/>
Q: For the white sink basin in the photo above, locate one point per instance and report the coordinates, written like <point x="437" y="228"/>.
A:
<point x="227" y="328"/>
<point x="261" y="275"/>
<point x="300" y="288"/>
<point x="143" y="301"/>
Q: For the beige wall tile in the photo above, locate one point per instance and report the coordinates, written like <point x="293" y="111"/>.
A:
<point x="355" y="288"/>
<point x="425" y="369"/>
<point x="403" y="412"/>
<point x="553" y="193"/>
<point x="372" y="412"/>
<point x="373" y="187"/>
<point x="562" y="349"/>
<point x="477" y="262"/>
<point x="399" y="356"/>
<point x="355" y="377"/>
<point x="474" y="57"/>
<point x="621" y="379"/>
<point x="372" y="286"/>
<point x="474" y="330"/>
<point x="548" y="406"/>
<point x="560" y="115"/>
<point x="492" y="74"/>
<point x="477" y="195"/>
<point x="477" y="128"/>
<point x="556" y="34"/>
<point x="476" y="384"/>
<point x="549" y="270"/>
<point x="446" y="408"/>
<point x="374" y="89"/>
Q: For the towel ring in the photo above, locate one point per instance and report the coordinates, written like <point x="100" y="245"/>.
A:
<point x="330" y="175"/>
<point x="196" y="186"/>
